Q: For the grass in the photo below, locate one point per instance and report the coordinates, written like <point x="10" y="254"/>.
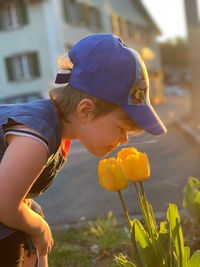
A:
<point x="107" y="234"/>
<point x="70" y="256"/>
<point x="96" y="243"/>
<point x="92" y="245"/>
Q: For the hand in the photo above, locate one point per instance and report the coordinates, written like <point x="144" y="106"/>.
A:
<point x="43" y="241"/>
<point x="28" y="202"/>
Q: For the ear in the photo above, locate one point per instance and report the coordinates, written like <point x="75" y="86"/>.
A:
<point x="85" y="109"/>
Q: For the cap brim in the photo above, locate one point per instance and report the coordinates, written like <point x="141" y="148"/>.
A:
<point x="145" y="117"/>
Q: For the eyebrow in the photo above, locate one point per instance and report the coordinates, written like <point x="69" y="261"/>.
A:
<point x="133" y="128"/>
<point x="129" y="125"/>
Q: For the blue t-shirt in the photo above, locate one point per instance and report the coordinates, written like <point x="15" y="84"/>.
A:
<point x="42" y="117"/>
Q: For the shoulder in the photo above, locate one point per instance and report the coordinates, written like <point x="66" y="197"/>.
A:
<point x="12" y="132"/>
<point x="40" y="116"/>
<point x="29" y="146"/>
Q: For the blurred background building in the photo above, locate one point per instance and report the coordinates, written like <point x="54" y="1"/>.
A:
<point x="33" y="33"/>
<point x="193" y="28"/>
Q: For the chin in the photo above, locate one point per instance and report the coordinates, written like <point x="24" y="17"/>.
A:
<point x="103" y="153"/>
<point x="99" y="153"/>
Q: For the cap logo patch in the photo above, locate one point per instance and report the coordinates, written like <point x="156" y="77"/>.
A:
<point x="138" y="93"/>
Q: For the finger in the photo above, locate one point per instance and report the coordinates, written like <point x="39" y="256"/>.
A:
<point x="49" y="249"/>
<point x="43" y="252"/>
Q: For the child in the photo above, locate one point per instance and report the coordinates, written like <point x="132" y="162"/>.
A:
<point x="105" y="95"/>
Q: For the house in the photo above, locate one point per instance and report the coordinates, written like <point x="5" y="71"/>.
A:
<point x="33" y="33"/>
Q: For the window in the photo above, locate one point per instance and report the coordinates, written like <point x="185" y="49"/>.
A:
<point x="80" y="13"/>
<point x="122" y="26"/>
<point x="130" y="29"/>
<point x="146" y="36"/>
<point x="94" y="18"/>
<point x="22" y="67"/>
<point x="13" y="14"/>
<point x="71" y="11"/>
<point x="115" y="24"/>
<point x="138" y="34"/>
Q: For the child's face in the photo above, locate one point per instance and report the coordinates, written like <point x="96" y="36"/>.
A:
<point x="103" y="134"/>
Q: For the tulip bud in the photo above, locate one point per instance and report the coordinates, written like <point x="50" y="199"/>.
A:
<point x="135" y="164"/>
<point x="111" y="174"/>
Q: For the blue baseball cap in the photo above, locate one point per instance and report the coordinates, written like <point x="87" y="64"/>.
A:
<point x="105" y="68"/>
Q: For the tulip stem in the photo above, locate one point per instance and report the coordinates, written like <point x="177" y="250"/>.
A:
<point x="145" y="201"/>
<point x="124" y="208"/>
<point x="147" y="211"/>
<point x="144" y="209"/>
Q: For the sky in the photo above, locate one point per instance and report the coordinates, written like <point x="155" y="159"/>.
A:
<point x="169" y="15"/>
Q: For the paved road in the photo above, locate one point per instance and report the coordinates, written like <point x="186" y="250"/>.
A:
<point x="76" y="192"/>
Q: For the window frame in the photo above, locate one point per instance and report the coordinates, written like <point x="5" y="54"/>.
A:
<point x="13" y="15"/>
<point x="23" y="67"/>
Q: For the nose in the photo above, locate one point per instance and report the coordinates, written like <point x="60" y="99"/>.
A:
<point x="124" y="139"/>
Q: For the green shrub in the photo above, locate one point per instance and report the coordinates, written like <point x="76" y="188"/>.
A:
<point x="191" y="197"/>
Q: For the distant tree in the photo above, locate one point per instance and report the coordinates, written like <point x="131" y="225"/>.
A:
<point x="175" y="62"/>
<point x="174" y="53"/>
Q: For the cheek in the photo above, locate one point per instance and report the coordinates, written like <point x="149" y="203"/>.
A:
<point x="90" y="137"/>
<point x="98" y="139"/>
<point x="99" y="142"/>
<point x="99" y="135"/>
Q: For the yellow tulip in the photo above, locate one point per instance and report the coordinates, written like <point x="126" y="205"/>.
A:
<point x="135" y="164"/>
<point x="111" y="174"/>
<point x="124" y="152"/>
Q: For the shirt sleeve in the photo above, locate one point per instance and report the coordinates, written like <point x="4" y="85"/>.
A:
<point x="25" y="132"/>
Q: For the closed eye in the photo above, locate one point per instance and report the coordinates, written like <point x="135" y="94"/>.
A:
<point x="135" y="132"/>
<point x="122" y="129"/>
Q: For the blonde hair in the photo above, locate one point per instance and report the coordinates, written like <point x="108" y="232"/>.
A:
<point x="67" y="98"/>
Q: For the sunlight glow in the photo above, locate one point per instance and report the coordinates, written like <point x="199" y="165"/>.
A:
<point x="169" y="17"/>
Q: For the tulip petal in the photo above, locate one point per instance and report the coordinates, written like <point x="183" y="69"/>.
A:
<point x="125" y="152"/>
<point x="135" y="163"/>
<point x="111" y="175"/>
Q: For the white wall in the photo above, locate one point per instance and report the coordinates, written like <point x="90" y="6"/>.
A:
<point x="31" y="37"/>
<point x="48" y="33"/>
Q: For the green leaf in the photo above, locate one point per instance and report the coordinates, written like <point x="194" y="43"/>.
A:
<point x="176" y="234"/>
<point x="145" y="248"/>
<point x="145" y="214"/>
<point x="191" y="197"/>
<point x="161" y="254"/>
<point x="186" y="256"/>
<point x="152" y="217"/>
<point x="164" y="239"/>
<point x="121" y="260"/>
<point x="175" y="260"/>
<point x="195" y="259"/>
<point x="134" y="249"/>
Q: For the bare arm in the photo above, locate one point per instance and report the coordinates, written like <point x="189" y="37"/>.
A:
<point x="22" y="162"/>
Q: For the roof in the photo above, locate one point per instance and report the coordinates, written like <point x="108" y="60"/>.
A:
<point x="151" y="22"/>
